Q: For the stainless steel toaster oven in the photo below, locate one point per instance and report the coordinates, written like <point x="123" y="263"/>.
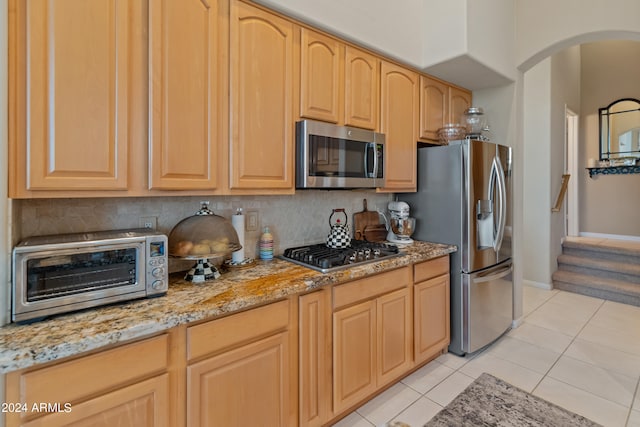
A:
<point x="62" y="273"/>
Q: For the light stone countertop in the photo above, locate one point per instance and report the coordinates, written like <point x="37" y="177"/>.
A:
<point x="22" y="346"/>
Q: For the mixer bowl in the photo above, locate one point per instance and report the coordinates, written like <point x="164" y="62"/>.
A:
<point x="403" y="227"/>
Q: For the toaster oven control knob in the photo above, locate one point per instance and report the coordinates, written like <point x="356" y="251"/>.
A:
<point x="158" y="285"/>
<point x="157" y="272"/>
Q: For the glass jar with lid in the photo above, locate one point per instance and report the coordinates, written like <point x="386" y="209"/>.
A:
<point x="475" y="121"/>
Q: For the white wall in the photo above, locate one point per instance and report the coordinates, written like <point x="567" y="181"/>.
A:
<point x="452" y="39"/>
<point x="549" y="86"/>
<point x="565" y="93"/>
<point x="545" y="27"/>
<point x="492" y="28"/>
<point x="536" y="173"/>
<point x="608" y="204"/>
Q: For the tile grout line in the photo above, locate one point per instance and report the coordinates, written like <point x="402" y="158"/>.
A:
<point x="579" y="388"/>
<point x="635" y="395"/>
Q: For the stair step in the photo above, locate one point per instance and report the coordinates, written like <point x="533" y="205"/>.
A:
<point x="598" y="287"/>
<point x="628" y="251"/>
<point x="624" y="271"/>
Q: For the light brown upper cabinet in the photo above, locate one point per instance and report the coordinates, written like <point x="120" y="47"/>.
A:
<point x="459" y="100"/>
<point x="434" y="107"/>
<point x="261" y="96"/>
<point x="69" y="94"/>
<point x="338" y="83"/>
<point x="320" y="64"/>
<point x="399" y="122"/>
<point x="183" y="95"/>
<point x="361" y="81"/>
<point x="440" y="104"/>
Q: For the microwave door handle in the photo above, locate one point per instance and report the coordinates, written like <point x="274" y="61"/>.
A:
<point x="367" y="174"/>
<point x="374" y="147"/>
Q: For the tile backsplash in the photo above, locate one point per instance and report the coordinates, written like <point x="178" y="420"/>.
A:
<point x="293" y="220"/>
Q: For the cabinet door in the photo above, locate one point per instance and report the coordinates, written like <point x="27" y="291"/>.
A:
<point x="320" y="64"/>
<point x="362" y="78"/>
<point x="144" y="404"/>
<point x="434" y="107"/>
<point x="431" y="317"/>
<point x="248" y="386"/>
<point x="399" y="123"/>
<point x="261" y="73"/>
<point x="354" y="353"/>
<point x="72" y="94"/>
<point x="184" y="74"/>
<point x="394" y="337"/>
<point x="314" y="359"/>
<point x="459" y="100"/>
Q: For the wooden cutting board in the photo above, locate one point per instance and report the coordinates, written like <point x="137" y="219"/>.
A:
<point x="375" y="233"/>
<point x="364" y="219"/>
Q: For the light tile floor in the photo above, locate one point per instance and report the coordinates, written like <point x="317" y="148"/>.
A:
<point x="578" y="352"/>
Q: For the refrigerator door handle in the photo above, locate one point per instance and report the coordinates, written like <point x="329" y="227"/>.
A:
<point x="495" y="275"/>
<point x="502" y="198"/>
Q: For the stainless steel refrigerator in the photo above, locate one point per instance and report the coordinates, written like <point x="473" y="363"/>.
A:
<point x="464" y="198"/>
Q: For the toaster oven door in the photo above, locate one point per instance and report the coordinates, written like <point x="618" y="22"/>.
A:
<point x="56" y="281"/>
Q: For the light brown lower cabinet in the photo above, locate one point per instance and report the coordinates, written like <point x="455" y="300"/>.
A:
<point x="372" y="339"/>
<point x="431" y="308"/>
<point x="241" y="369"/>
<point x="127" y="386"/>
<point x="314" y="358"/>
<point x="247" y="386"/>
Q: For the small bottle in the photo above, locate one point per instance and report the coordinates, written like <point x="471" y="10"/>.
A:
<point x="266" y="245"/>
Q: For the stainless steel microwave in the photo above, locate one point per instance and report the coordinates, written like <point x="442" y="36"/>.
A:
<point x="63" y="273"/>
<point x="332" y="156"/>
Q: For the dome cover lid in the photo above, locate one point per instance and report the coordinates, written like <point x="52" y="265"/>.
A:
<point x="203" y="235"/>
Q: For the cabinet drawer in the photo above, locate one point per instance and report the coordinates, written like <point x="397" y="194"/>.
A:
<point x="89" y="375"/>
<point x="370" y="287"/>
<point x="141" y="404"/>
<point x="432" y="268"/>
<point x="230" y="331"/>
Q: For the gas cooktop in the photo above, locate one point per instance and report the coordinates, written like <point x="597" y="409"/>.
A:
<point x="324" y="259"/>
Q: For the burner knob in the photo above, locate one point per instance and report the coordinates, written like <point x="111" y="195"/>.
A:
<point x="325" y="263"/>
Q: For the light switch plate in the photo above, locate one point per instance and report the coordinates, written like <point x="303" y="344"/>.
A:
<point x="251" y="221"/>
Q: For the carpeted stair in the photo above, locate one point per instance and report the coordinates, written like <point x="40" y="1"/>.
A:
<point x="609" y="270"/>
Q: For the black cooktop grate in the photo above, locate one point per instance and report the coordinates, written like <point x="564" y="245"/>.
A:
<point x="325" y="259"/>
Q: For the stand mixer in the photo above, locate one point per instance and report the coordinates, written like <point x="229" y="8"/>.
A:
<point x="401" y="225"/>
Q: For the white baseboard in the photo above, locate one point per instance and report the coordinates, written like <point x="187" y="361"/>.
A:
<point x="541" y="285"/>
<point x="609" y="236"/>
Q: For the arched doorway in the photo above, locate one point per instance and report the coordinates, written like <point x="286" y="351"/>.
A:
<point x="548" y="246"/>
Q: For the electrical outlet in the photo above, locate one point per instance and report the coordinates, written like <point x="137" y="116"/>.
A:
<point x="150" y="222"/>
<point x="251" y="223"/>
